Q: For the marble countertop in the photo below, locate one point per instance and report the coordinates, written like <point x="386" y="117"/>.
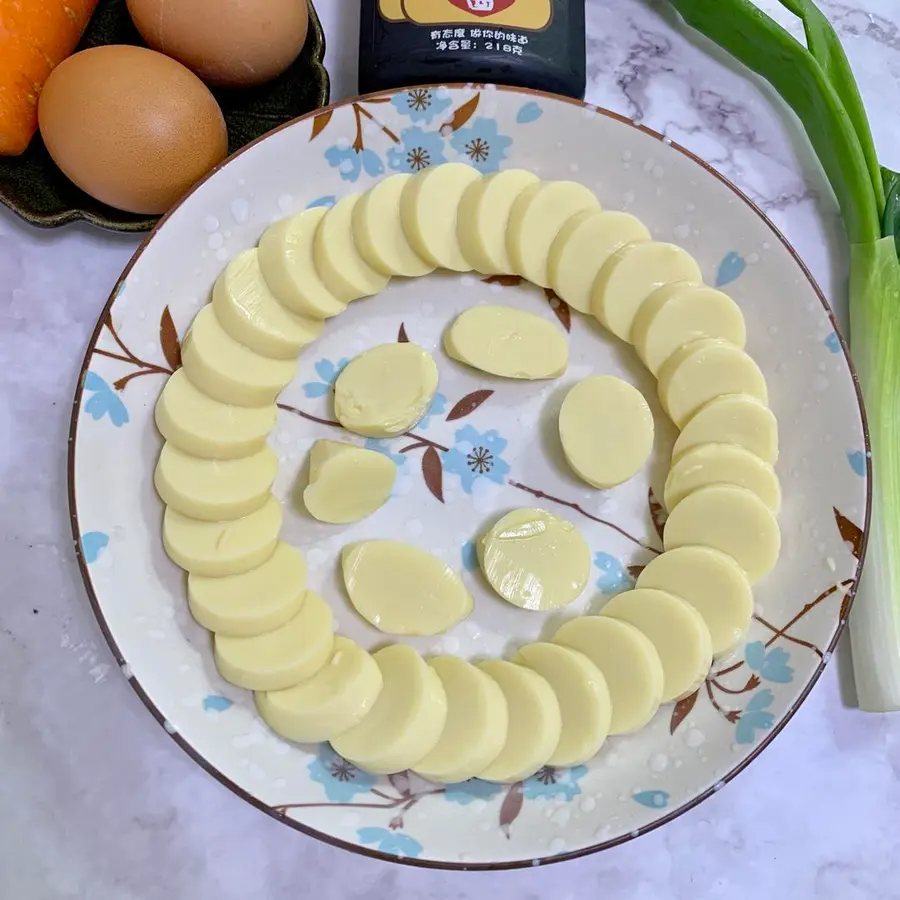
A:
<point x="98" y="803"/>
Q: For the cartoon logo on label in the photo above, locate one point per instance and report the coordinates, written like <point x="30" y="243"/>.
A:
<point x="483" y="7"/>
<point x="529" y="14"/>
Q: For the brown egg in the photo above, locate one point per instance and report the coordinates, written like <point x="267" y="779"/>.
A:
<point x="226" y="42"/>
<point x="131" y="127"/>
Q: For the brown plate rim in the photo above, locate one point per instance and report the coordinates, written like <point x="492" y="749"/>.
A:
<point x="57" y="219"/>
<point x="441" y="864"/>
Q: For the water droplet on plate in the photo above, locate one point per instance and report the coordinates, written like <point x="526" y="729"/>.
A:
<point x="315" y="557"/>
<point x="561" y="816"/>
<point x="557" y="845"/>
<point x="694" y="737"/>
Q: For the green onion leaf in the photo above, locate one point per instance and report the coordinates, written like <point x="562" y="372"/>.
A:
<point x="891" y="220"/>
<point x="762" y="45"/>
<point x="825" y="46"/>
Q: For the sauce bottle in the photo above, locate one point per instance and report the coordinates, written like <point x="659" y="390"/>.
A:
<point x="524" y="43"/>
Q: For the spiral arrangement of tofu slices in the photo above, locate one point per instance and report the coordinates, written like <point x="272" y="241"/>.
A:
<point x="555" y="702"/>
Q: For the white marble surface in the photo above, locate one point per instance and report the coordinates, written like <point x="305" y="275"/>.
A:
<point x="97" y="802"/>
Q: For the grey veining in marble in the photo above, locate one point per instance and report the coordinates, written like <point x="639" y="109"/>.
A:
<point x="96" y="802"/>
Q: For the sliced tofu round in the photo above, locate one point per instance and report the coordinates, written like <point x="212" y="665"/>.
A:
<point x="248" y="311"/>
<point x="534" y="722"/>
<point x="228" y="371"/>
<point x="429" y="211"/>
<point x="508" y="342"/>
<point x="254" y="602"/>
<point x="629" y="663"/>
<point x="675" y="629"/>
<point x="225" y="548"/>
<point x="730" y="519"/>
<point x="378" y="232"/>
<point x="201" y="426"/>
<point x="606" y="430"/>
<point x="535" y="220"/>
<point x="584" y="703"/>
<point x="535" y="560"/>
<point x="708" y="464"/>
<point x="347" y="483"/>
<point x="680" y="313"/>
<point x="484" y="217"/>
<point x="214" y="490"/>
<point x="703" y="370"/>
<point x="713" y="583"/>
<point x="581" y="249"/>
<point x="288" y="266"/>
<point x="476" y="727"/>
<point x="383" y="392"/>
<point x="406" y="721"/>
<point x="732" y="419"/>
<point x="631" y="275"/>
<point x="403" y="590"/>
<point x="281" y="658"/>
<point x="334" y="700"/>
<point x="339" y="264"/>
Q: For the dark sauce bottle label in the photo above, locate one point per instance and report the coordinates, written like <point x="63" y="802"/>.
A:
<point x="524" y="43"/>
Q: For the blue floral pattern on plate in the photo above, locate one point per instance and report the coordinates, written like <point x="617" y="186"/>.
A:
<point x="529" y="112"/>
<point x="651" y="799"/>
<point x="614" y="578"/>
<point x="104" y="401"/>
<point x="465" y="792"/>
<point x="351" y="162"/>
<point x="327" y="201"/>
<point x="469" y="555"/>
<point x="730" y="269"/>
<point x="772" y="664"/>
<point x="476" y="455"/>
<point x="342" y="780"/>
<point x="755" y="717"/>
<point x="394" y="842"/>
<point x="482" y="145"/>
<point x="328" y="372"/>
<point x="553" y="782"/>
<point x="833" y="343"/>
<point x="216" y="703"/>
<point x="421" y="104"/>
<point x="857" y="460"/>
<point x="419" y="149"/>
<point x="93" y="543"/>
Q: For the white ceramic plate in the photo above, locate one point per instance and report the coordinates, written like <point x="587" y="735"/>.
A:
<point x="486" y="446"/>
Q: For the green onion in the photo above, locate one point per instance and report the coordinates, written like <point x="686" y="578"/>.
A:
<point x="817" y="83"/>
